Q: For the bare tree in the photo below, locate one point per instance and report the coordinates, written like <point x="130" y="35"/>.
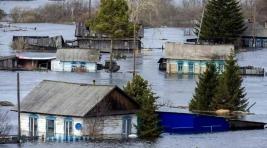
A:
<point x="5" y="126"/>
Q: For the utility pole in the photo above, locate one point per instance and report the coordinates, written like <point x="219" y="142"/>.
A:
<point x="200" y="26"/>
<point x="254" y="24"/>
<point x="135" y="19"/>
<point x="90" y="5"/>
<point x="134" y="48"/>
<point x="18" y="99"/>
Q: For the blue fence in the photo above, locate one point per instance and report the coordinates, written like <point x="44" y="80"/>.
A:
<point x="183" y="123"/>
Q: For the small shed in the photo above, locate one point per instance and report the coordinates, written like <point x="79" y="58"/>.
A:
<point x="63" y="110"/>
<point x="76" y="60"/>
<point x="91" y="40"/>
<point x="38" y="42"/>
<point x="34" y="60"/>
<point x="192" y="59"/>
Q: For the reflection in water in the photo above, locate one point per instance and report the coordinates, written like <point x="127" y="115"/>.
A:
<point x="182" y="76"/>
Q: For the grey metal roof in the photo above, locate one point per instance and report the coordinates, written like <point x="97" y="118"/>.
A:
<point x="63" y="98"/>
<point x="197" y="52"/>
<point x="81" y="55"/>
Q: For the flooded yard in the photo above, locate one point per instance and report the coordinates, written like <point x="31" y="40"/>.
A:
<point x="174" y="89"/>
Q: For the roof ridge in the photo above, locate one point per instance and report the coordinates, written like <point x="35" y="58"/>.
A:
<point x="81" y="84"/>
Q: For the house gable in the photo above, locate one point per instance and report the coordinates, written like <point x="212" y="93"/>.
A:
<point x="116" y="102"/>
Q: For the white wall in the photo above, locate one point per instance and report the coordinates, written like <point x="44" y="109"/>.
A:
<point x="59" y="125"/>
<point x="112" y="125"/>
<point x="57" y="65"/>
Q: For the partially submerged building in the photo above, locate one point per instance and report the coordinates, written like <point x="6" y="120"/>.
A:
<point x="76" y="60"/>
<point x="88" y="39"/>
<point x="192" y="59"/>
<point x="255" y="35"/>
<point x="8" y="62"/>
<point x="37" y="42"/>
<point x="34" y="60"/>
<point x="61" y="110"/>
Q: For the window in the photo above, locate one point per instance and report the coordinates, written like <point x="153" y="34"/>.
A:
<point x="68" y="128"/>
<point x="33" y="126"/>
<point x="180" y="67"/>
<point x="265" y="43"/>
<point x="191" y="67"/>
<point x="221" y="68"/>
<point x="126" y="125"/>
<point x="50" y="127"/>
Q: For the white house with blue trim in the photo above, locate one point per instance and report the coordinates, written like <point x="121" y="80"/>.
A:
<point x="192" y="59"/>
<point x="76" y="60"/>
<point x="63" y="111"/>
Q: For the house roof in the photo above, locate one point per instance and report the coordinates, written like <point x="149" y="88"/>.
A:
<point x="81" y="55"/>
<point x="36" y="56"/>
<point x="260" y="30"/>
<point x="66" y="99"/>
<point x="197" y="52"/>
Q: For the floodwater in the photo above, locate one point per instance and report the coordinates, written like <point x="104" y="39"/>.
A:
<point x="175" y="90"/>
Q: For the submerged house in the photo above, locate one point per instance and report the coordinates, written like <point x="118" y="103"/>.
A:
<point x="88" y="39"/>
<point x="61" y="110"/>
<point x="37" y="42"/>
<point x="255" y="35"/>
<point x="192" y="59"/>
<point x="76" y="60"/>
<point x="34" y="60"/>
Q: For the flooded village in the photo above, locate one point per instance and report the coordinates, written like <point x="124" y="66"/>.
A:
<point x="73" y="93"/>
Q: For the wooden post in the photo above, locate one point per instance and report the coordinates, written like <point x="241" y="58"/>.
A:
<point x="18" y="99"/>
<point x="111" y="58"/>
<point x="90" y="9"/>
<point x="134" y="47"/>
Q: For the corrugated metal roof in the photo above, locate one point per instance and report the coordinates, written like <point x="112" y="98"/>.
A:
<point x="63" y="98"/>
<point x="81" y="55"/>
<point x="197" y="52"/>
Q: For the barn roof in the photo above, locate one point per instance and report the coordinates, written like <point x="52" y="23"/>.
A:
<point x="197" y="52"/>
<point x="81" y="55"/>
<point x="64" y="98"/>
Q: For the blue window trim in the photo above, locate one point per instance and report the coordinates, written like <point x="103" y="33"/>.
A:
<point x="50" y="117"/>
<point x="34" y="116"/>
<point x="68" y="119"/>
<point x="191" y="63"/>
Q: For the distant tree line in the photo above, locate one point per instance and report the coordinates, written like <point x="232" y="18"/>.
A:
<point x="261" y="9"/>
<point x="157" y="13"/>
<point x="60" y="12"/>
